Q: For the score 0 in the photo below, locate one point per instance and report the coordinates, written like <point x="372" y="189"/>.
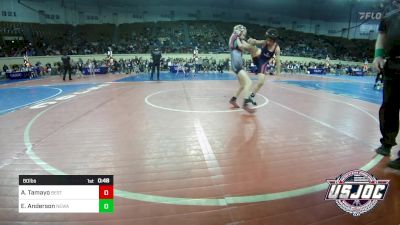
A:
<point x="106" y="198"/>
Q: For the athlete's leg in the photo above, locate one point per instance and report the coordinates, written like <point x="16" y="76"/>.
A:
<point x="238" y="92"/>
<point x="237" y="66"/>
<point x="261" y="82"/>
<point x="246" y="83"/>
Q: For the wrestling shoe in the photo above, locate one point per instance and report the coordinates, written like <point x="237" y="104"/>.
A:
<point x="252" y="96"/>
<point x="247" y="107"/>
<point x="234" y="103"/>
<point x="383" y="150"/>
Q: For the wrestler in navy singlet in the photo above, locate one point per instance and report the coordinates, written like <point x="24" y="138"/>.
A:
<point x="262" y="61"/>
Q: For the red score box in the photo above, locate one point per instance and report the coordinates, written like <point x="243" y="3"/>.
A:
<point x="106" y="192"/>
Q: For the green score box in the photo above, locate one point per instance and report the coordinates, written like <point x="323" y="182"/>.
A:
<point x="106" y="206"/>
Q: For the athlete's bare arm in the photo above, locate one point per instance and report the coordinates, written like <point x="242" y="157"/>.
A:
<point x="253" y="41"/>
<point x="245" y="46"/>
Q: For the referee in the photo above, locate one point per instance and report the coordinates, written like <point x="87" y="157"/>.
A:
<point x="388" y="46"/>
<point x="156" y="57"/>
<point x="67" y="65"/>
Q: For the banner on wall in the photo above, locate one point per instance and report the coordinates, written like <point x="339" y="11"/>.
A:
<point x="320" y="71"/>
<point x="100" y="70"/>
<point x="18" y="75"/>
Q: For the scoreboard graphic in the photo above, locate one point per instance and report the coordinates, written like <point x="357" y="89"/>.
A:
<point x="66" y="194"/>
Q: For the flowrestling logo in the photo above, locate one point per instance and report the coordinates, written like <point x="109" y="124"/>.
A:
<point x="370" y="15"/>
<point x="356" y="191"/>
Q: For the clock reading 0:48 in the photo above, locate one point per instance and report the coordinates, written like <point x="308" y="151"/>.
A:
<point x="103" y="180"/>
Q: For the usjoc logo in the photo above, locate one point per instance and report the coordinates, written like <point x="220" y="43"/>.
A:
<point x="356" y="191"/>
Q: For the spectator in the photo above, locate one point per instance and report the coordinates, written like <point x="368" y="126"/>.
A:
<point x="156" y="60"/>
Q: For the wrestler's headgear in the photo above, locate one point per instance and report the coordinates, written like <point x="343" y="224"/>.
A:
<point x="272" y="34"/>
<point x="238" y="29"/>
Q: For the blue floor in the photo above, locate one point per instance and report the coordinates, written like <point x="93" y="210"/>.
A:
<point x="361" y="79"/>
<point x="165" y="76"/>
<point x="18" y="97"/>
<point x="362" y="91"/>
